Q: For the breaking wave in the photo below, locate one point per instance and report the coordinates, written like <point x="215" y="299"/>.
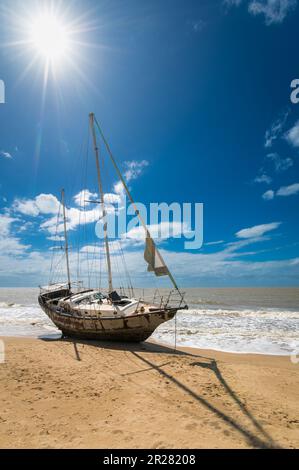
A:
<point x="263" y="331"/>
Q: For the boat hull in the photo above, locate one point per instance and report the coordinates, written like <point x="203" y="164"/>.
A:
<point x="133" y="328"/>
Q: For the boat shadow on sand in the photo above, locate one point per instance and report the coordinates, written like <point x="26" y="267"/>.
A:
<point x="258" y="438"/>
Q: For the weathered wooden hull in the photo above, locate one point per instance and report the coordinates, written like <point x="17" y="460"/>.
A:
<point x="134" y="328"/>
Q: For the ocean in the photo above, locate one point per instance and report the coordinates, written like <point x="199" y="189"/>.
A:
<point x="242" y="320"/>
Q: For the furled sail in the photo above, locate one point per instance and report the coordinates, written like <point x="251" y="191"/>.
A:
<point x="153" y="258"/>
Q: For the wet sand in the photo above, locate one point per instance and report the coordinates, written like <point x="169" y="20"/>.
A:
<point x="76" y="394"/>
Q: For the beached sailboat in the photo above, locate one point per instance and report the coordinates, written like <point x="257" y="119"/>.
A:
<point x="111" y="316"/>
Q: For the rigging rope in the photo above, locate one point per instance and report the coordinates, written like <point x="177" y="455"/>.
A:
<point x="175" y="332"/>
<point x="127" y="274"/>
<point x="54" y="245"/>
<point x="82" y="203"/>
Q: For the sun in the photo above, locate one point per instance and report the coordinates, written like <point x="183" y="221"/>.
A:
<point x="52" y="40"/>
<point x="50" y="37"/>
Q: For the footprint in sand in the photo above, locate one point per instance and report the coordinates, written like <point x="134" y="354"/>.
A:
<point x="190" y="426"/>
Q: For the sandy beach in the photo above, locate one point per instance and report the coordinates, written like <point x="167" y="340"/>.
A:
<point x="74" y="394"/>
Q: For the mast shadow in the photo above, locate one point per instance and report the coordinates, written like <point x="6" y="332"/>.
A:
<point x="266" y="442"/>
<point x="213" y="366"/>
<point x="76" y="351"/>
<point x="255" y="441"/>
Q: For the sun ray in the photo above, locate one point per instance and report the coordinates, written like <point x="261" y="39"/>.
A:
<point x="26" y="70"/>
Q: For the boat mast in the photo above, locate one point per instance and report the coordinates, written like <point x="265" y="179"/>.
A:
<point x="104" y="213"/>
<point x="66" y="244"/>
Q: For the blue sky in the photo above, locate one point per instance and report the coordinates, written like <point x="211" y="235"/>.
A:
<point x="194" y="97"/>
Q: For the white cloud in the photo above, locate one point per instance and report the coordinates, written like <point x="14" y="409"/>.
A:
<point x="93" y="250"/>
<point x="263" y="179"/>
<point x="198" y="25"/>
<point x="274" y="11"/>
<point x="5" y="224"/>
<point x="112" y="198"/>
<point x="47" y="204"/>
<point x="82" y="198"/>
<point x="257" y="230"/>
<point x="215" y="267"/>
<point x="275" y="130"/>
<point x="218" y="242"/>
<point x="280" y="163"/>
<point x="119" y="188"/>
<point x="288" y="190"/>
<point x="19" y="266"/>
<point x="134" y="169"/>
<point x="268" y="195"/>
<point x="42" y="204"/>
<point x="56" y="238"/>
<point x="5" y="154"/>
<point x="222" y="268"/>
<point x="162" y="231"/>
<point x="9" y="244"/>
<point x="74" y="217"/>
<point x="12" y="246"/>
<point x="25" y="226"/>
<point x="292" y="136"/>
<point x="29" y="268"/>
<point x="26" y="207"/>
